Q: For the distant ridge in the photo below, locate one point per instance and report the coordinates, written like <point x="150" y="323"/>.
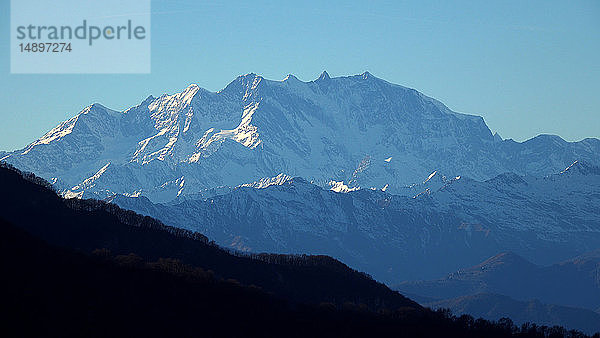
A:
<point x="573" y="283"/>
<point x="495" y="307"/>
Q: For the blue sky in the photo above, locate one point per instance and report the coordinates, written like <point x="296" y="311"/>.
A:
<point x="527" y="67"/>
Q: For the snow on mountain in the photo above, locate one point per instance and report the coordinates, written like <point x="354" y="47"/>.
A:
<point x="267" y="182"/>
<point x="559" y="207"/>
<point x="359" y="130"/>
<point x="341" y="187"/>
<point x="445" y="224"/>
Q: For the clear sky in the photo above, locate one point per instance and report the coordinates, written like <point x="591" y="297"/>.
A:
<point x="527" y="67"/>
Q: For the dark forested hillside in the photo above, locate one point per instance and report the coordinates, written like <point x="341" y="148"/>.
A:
<point x="86" y="268"/>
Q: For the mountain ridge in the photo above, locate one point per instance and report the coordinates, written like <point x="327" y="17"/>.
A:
<point x="495" y="307"/>
<point x="359" y="130"/>
<point x="574" y="282"/>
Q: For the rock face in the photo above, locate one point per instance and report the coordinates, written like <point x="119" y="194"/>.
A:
<point x="349" y="132"/>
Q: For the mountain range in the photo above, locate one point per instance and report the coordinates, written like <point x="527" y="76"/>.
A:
<point x="345" y="132"/>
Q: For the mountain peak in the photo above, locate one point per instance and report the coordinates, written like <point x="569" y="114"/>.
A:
<point x="247" y="79"/>
<point x="192" y="87"/>
<point x="97" y="109"/>
<point x="547" y="139"/>
<point x="250" y="76"/>
<point x="94" y="106"/>
<point x="242" y="83"/>
<point x="324" y="76"/>
<point x="291" y="77"/>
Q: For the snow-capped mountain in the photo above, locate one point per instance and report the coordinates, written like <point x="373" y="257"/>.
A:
<point x="444" y="225"/>
<point x="345" y="132"/>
